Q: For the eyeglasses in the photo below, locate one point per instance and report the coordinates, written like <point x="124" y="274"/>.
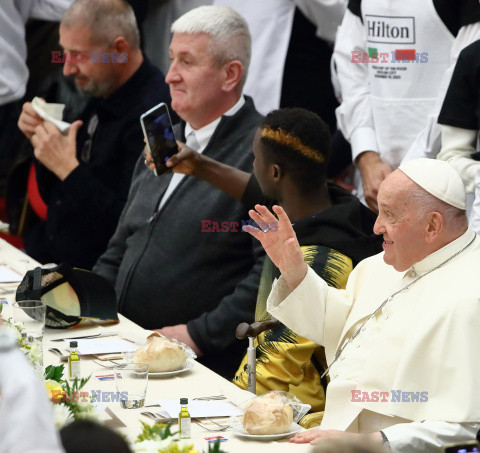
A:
<point x="87" y="146"/>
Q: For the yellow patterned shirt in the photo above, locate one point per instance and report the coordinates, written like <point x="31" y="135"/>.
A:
<point x="286" y="361"/>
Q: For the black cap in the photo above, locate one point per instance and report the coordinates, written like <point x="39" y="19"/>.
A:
<point x="70" y="295"/>
<point x="183" y="400"/>
<point x="73" y="344"/>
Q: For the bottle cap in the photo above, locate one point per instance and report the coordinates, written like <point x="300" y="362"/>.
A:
<point x="73" y="344"/>
<point x="183" y="400"/>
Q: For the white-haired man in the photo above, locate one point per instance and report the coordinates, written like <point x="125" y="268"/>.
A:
<point x="168" y="273"/>
<point x="84" y="178"/>
<point x="400" y="339"/>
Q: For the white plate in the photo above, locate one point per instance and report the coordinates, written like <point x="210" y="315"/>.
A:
<point x="188" y="366"/>
<point x="241" y="432"/>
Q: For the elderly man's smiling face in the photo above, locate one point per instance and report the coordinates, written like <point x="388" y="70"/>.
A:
<point x="402" y="224"/>
<point x="196" y="84"/>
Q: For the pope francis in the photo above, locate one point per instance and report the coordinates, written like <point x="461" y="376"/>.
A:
<point x="401" y="340"/>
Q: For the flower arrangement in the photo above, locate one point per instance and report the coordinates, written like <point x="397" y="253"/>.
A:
<point x="69" y="402"/>
<point x="32" y="349"/>
<point x="156" y="438"/>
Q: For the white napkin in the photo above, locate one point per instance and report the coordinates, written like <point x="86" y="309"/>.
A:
<point x="52" y="113"/>
<point x="136" y="335"/>
<point x="8" y="275"/>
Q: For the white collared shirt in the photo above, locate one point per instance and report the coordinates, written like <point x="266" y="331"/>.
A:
<point x="200" y="137"/>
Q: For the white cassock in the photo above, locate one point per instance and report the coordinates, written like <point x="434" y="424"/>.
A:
<point x="425" y="339"/>
<point x="26" y="414"/>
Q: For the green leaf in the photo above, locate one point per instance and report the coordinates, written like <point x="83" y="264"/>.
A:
<point x="54" y="372"/>
<point x="154" y="432"/>
<point x="67" y="388"/>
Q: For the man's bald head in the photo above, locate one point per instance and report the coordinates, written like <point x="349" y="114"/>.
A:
<point x="413" y="222"/>
<point x="106" y="20"/>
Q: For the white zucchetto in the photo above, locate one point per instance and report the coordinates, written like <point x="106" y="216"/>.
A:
<point x="438" y="178"/>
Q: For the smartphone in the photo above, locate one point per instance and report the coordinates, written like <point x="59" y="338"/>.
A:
<point x="158" y="131"/>
<point x="462" y="447"/>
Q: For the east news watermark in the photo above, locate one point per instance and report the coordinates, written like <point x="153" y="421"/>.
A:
<point x="88" y="57"/>
<point x="394" y="56"/>
<point x="96" y="396"/>
<point x="212" y="226"/>
<point x="394" y="396"/>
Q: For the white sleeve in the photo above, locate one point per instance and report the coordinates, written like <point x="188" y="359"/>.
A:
<point x="428" y="436"/>
<point x="474" y="220"/>
<point x="26" y="415"/>
<point x="354" y="115"/>
<point x="428" y="142"/>
<point x="305" y="309"/>
<point x="52" y="10"/>
<point x="457" y="147"/>
<point x="327" y="15"/>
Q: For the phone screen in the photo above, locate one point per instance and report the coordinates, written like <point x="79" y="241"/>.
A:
<point x="462" y="447"/>
<point x="158" y="131"/>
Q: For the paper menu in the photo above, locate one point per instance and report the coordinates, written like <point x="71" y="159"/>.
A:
<point x="199" y="409"/>
<point x="102" y="346"/>
<point x="8" y="275"/>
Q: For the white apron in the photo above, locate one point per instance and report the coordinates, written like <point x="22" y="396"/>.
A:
<point x="403" y="93"/>
<point x="270" y="23"/>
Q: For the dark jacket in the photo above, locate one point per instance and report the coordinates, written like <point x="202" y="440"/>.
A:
<point x="84" y="209"/>
<point x="347" y="226"/>
<point x="165" y="269"/>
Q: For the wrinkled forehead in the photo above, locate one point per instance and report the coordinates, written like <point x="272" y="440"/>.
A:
<point x="193" y="43"/>
<point x="394" y="190"/>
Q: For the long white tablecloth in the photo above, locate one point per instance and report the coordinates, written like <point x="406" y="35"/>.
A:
<point x="197" y="382"/>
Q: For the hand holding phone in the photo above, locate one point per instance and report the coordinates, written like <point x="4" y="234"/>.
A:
<point x="158" y="131"/>
<point x="471" y="446"/>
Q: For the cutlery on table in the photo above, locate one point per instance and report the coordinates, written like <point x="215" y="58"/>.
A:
<point x="97" y="335"/>
<point x="63" y="358"/>
<point x="210" y="398"/>
<point x="158" y="418"/>
<point x="218" y="427"/>
<point x="106" y="365"/>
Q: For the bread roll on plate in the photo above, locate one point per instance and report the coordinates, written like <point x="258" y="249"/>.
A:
<point x="267" y="415"/>
<point x="161" y="354"/>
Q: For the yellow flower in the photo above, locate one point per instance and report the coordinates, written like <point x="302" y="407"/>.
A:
<point x="54" y="390"/>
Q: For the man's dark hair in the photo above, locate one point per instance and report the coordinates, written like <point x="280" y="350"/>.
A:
<point x="299" y="141"/>
<point x="85" y="436"/>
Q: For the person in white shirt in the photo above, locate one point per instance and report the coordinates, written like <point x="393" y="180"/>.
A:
<point x="460" y="123"/>
<point x="13" y="16"/>
<point x="400" y="339"/>
<point x="13" y="67"/>
<point x="392" y="64"/>
<point x="26" y="415"/>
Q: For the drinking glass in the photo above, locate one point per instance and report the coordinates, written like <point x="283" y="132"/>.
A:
<point x="131" y="380"/>
<point x="30" y="314"/>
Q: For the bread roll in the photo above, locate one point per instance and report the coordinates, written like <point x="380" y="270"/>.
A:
<point x="161" y="355"/>
<point x="267" y="415"/>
